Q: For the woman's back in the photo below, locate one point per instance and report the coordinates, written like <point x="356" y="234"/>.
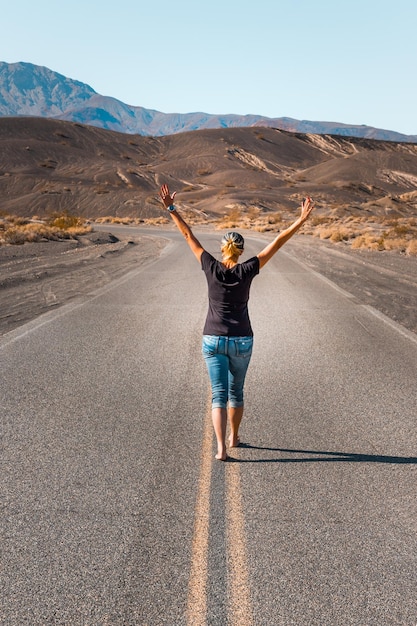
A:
<point x="228" y="290"/>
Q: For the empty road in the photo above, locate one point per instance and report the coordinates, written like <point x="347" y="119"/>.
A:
<point x="114" y="510"/>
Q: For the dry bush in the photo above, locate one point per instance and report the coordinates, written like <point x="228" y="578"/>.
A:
<point x="340" y="234"/>
<point x="16" y="220"/>
<point x="78" y="231"/>
<point x="325" y="233"/>
<point x="401" y="229"/>
<point x="274" y="218"/>
<point x="412" y="248"/>
<point x="155" y="221"/>
<point x="65" y="220"/>
<point x="17" y="231"/>
<point x="254" y="212"/>
<point x="232" y="219"/>
<point x="13" y="235"/>
<point x="125" y="221"/>
<point x="368" y="241"/>
<point x="16" y="235"/>
<point x="104" y="220"/>
<point x="397" y="243"/>
<point x="319" y="220"/>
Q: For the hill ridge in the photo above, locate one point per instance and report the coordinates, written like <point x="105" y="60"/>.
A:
<point x="28" y="89"/>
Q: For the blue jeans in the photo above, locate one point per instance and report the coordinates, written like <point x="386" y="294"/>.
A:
<point x="227" y="360"/>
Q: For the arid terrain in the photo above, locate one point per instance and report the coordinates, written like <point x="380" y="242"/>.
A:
<point x="48" y="165"/>
<point x="37" y="277"/>
<point x="365" y="193"/>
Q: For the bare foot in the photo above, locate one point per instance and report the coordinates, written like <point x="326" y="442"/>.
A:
<point x="221" y="456"/>
<point x="234" y="442"/>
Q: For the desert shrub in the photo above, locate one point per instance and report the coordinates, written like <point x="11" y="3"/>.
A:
<point x="340" y="234"/>
<point x="14" y="235"/>
<point x="77" y="231"/>
<point x="397" y="243"/>
<point x="369" y="242"/>
<point x="274" y="218"/>
<point x="65" y="220"/>
<point x="401" y="229"/>
<point x="154" y="221"/>
<point x="318" y="220"/>
<point x="16" y="220"/>
<point x="325" y="233"/>
<point x="412" y="247"/>
<point x="263" y="228"/>
<point x="232" y="219"/>
<point x="253" y="212"/>
<point x="104" y="220"/>
<point x="32" y="232"/>
<point x="37" y="232"/>
<point x="122" y="220"/>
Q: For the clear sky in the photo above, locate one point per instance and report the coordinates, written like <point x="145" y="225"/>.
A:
<point x="352" y="62"/>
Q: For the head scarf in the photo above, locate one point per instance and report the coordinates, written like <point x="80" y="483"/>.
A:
<point x="233" y="237"/>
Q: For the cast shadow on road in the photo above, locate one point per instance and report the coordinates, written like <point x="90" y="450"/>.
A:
<point x="322" y="457"/>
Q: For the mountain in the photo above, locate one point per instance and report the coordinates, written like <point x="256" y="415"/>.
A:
<point x="52" y="165"/>
<point x="32" y="90"/>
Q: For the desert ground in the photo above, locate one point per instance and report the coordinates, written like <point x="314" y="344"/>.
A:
<point x="51" y="165"/>
<point x="36" y="277"/>
<point x="362" y="235"/>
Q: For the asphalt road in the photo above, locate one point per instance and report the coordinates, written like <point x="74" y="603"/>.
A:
<point x="114" y="511"/>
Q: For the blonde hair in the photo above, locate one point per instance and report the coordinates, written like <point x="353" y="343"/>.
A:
<point x="230" y="251"/>
<point x="232" y="246"/>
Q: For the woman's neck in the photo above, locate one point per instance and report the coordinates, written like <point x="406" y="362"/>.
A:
<point x="229" y="263"/>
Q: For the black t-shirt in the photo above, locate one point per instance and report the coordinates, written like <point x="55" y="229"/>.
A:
<point x="228" y="291"/>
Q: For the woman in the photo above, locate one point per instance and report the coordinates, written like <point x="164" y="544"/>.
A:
<point x="227" y="334"/>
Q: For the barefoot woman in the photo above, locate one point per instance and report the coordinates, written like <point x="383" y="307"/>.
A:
<point x="227" y="334"/>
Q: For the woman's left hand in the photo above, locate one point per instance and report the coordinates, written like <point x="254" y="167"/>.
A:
<point x="166" y="197"/>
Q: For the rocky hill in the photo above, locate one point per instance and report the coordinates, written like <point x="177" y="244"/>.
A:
<point x="52" y="165"/>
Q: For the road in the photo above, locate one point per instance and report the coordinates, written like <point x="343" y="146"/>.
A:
<point x="114" y="510"/>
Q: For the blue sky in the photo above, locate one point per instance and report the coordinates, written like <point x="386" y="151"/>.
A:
<point x="351" y="62"/>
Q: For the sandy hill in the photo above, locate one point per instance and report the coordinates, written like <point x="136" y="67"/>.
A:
<point x="48" y="165"/>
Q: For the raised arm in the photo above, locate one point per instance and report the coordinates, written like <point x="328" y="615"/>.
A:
<point x="269" y="251"/>
<point x="168" y="200"/>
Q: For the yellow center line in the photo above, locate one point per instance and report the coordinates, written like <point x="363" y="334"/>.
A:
<point x="240" y="607"/>
<point x="197" y="587"/>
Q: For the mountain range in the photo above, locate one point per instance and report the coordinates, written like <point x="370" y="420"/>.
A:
<point x="36" y="91"/>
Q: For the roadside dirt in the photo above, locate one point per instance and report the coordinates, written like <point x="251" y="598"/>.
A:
<point x="384" y="280"/>
<point x="34" y="277"/>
